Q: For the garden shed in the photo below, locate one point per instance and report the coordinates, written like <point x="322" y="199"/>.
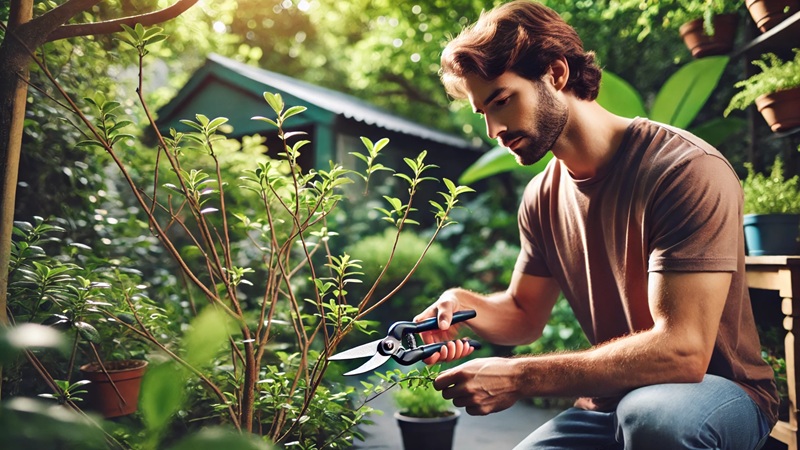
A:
<point x="334" y="121"/>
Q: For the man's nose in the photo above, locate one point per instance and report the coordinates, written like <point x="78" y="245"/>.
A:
<point x="493" y="127"/>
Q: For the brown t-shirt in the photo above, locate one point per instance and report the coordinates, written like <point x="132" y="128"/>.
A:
<point x="667" y="201"/>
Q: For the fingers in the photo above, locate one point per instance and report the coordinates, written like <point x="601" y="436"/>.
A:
<point x="451" y="351"/>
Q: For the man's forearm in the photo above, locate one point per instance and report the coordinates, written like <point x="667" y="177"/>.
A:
<point x="611" y="369"/>
<point x="500" y="320"/>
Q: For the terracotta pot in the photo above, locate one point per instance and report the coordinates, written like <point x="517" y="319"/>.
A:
<point x="427" y="433"/>
<point x="102" y="396"/>
<point x="781" y="109"/>
<point x="768" y="13"/>
<point x="701" y="44"/>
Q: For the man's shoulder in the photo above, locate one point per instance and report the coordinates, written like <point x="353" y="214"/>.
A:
<point x="649" y="132"/>
<point x="667" y="148"/>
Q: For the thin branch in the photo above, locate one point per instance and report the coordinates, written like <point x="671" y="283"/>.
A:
<point x="115" y="25"/>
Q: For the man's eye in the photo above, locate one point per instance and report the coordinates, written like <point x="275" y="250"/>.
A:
<point x="501" y="102"/>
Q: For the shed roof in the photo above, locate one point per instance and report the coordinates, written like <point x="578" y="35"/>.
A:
<point x="332" y="101"/>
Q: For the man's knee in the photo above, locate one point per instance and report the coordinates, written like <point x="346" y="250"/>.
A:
<point x="713" y="414"/>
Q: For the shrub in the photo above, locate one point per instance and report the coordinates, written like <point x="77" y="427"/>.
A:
<point x="430" y="277"/>
<point x="262" y="264"/>
<point x="771" y="194"/>
<point x="423" y="402"/>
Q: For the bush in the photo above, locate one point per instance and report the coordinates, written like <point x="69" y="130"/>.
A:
<point x="423" y="402"/>
<point x="772" y="194"/>
<point x="431" y="277"/>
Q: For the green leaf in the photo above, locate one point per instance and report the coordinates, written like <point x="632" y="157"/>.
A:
<point x="274" y="100"/>
<point x="499" y="160"/>
<point x="139" y="31"/>
<point x="155" y="39"/>
<point x="207" y="334"/>
<point x="717" y="131"/>
<point x="221" y="438"/>
<point x="162" y="394"/>
<point x="88" y="143"/>
<point x="619" y="97"/>
<point x="214" y="124"/>
<point x="294" y="110"/>
<point x="265" y="119"/>
<point x="192" y="124"/>
<point x="129" y="30"/>
<point x="687" y="90"/>
<point x="88" y="332"/>
<point x="152" y="31"/>
<point x="380" y="145"/>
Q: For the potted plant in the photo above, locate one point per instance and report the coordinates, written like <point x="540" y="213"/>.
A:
<point x="708" y="27"/>
<point x="114" y="387"/>
<point x="775" y="91"/>
<point x="771" y="211"/>
<point x="427" y="421"/>
<point x="84" y="299"/>
<point x="768" y="13"/>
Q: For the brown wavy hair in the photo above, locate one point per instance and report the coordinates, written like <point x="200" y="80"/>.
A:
<point x="524" y="37"/>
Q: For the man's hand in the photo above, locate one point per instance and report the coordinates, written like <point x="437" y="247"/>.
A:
<point x="483" y="386"/>
<point x="452" y="347"/>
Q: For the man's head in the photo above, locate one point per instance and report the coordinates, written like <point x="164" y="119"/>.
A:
<point x="522" y="37"/>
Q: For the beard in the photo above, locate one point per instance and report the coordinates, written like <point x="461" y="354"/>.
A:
<point x="549" y="124"/>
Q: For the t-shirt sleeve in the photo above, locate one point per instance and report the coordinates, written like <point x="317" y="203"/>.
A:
<point x="695" y="222"/>
<point x="530" y="260"/>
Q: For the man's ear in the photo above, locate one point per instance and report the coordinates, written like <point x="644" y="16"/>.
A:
<point x="559" y="73"/>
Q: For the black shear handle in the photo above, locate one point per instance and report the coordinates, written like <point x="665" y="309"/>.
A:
<point x="433" y="323"/>
<point x="400" y="329"/>
<point x="409" y="357"/>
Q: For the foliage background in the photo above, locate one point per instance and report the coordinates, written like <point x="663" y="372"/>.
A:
<point x="382" y="51"/>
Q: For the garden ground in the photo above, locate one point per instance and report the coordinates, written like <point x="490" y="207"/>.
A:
<point x="501" y="431"/>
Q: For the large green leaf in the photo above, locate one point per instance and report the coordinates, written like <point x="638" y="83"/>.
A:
<point x="163" y="393"/>
<point x="687" y="90"/>
<point x="498" y="160"/>
<point x="619" y="97"/>
<point x="221" y="438"/>
<point x="207" y="336"/>
<point x="717" y="131"/>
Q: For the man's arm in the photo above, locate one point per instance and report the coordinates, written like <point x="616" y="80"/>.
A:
<point x="515" y="316"/>
<point x="686" y="309"/>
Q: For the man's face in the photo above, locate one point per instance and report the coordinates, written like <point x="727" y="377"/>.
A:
<point x="523" y="115"/>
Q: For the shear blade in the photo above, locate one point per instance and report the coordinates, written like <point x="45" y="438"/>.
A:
<point x="362" y="351"/>
<point x="374" y="362"/>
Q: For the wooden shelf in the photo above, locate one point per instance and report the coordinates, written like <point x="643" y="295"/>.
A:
<point x="785" y="35"/>
<point x="782" y="274"/>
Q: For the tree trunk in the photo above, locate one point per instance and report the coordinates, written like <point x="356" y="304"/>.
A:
<point x="13" y="93"/>
<point x="14" y="76"/>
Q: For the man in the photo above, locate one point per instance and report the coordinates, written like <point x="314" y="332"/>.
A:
<point x="639" y="225"/>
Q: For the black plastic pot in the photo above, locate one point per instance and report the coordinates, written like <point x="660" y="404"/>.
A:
<point x="427" y="433"/>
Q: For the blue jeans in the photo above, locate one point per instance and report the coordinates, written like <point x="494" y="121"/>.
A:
<point x="713" y="414"/>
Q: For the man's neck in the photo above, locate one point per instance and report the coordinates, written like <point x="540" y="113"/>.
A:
<point x="590" y="139"/>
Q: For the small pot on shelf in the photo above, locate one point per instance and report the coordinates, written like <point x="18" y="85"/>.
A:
<point x="771" y="234"/>
<point x="701" y="44"/>
<point x="768" y="13"/>
<point x="780" y="109"/>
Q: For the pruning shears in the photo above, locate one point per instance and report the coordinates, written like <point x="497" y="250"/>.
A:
<point x="392" y="345"/>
